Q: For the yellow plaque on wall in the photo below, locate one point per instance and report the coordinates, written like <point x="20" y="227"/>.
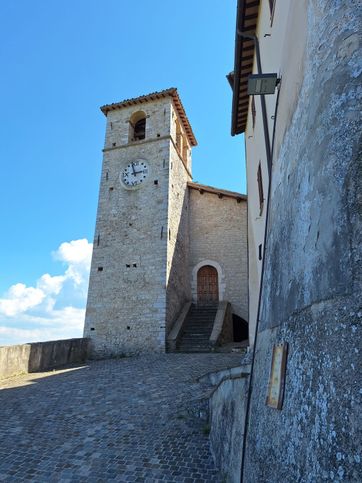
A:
<point x="277" y="376"/>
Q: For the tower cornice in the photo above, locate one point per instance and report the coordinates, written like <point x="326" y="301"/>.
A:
<point x="172" y="92"/>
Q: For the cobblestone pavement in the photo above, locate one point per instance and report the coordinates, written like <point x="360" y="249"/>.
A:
<point x="120" y="420"/>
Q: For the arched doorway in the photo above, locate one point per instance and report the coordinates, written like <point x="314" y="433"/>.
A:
<point x="207" y="285"/>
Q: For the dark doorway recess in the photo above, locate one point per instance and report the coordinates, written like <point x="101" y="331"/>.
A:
<point x="241" y="329"/>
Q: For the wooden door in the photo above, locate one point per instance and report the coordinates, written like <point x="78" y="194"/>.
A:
<point x="207" y="285"/>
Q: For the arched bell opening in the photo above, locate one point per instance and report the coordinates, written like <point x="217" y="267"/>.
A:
<point x="137" y="126"/>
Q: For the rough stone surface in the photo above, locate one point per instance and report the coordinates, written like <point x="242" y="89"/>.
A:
<point x="218" y="234"/>
<point x="135" y="237"/>
<point x="114" y="420"/>
<point x="222" y="332"/>
<point x="312" y="284"/>
<point x="227" y="418"/>
<point x="40" y="356"/>
<point x="148" y="240"/>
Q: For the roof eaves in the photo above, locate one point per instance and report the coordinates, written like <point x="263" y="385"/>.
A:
<point x="216" y="191"/>
<point x="246" y="21"/>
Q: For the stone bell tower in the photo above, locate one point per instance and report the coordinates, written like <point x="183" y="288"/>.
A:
<point x="138" y="280"/>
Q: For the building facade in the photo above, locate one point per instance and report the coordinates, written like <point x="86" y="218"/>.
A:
<point x="304" y="236"/>
<point x="156" y="231"/>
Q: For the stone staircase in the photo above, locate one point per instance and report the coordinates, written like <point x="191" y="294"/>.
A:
<point x="197" y="328"/>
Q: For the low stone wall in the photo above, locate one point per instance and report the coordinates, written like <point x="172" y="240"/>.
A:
<point x="222" y="332"/>
<point x="40" y="356"/>
<point x="227" y="406"/>
<point x="176" y="331"/>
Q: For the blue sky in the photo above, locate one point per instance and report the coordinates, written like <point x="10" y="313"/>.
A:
<point x="60" y="62"/>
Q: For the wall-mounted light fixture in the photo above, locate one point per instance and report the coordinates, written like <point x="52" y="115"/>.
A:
<point x="262" y="84"/>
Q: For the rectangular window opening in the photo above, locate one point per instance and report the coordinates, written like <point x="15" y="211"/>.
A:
<point x="253" y="111"/>
<point x="260" y="251"/>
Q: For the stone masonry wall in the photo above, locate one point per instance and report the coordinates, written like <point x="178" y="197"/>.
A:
<point x="41" y="356"/>
<point x="178" y="282"/>
<point x="218" y="233"/>
<point x="312" y="284"/>
<point x="126" y="306"/>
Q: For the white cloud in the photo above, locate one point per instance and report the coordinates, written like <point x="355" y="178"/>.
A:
<point x="19" y="298"/>
<point x="75" y="252"/>
<point x="54" y="307"/>
<point x="50" y="285"/>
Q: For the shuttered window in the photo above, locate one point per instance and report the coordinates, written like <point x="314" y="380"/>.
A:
<point x="260" y="188"/>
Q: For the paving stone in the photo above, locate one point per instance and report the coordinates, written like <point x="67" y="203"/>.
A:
<point x="112" y="420"/>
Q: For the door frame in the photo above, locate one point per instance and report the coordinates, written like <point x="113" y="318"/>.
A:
<point x="220" y="277"/>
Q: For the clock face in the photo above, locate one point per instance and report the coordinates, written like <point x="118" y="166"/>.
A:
<point x="134" y="174"/>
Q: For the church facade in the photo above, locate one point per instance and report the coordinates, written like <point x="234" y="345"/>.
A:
<point x="161" y="240"/>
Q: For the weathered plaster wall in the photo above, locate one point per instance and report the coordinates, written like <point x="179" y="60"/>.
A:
<point x="312" y="283"/>
<point x="218" y="233"/>
<point x="271" y="32"/>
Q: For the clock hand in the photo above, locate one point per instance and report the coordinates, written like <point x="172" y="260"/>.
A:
<point x="134" y="171"/>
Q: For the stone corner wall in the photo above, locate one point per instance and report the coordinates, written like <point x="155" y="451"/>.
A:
<point x="311" y="288"/>
<point x="41" y="356"/>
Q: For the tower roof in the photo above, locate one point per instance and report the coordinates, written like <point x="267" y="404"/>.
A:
<point x="172" y="92"/>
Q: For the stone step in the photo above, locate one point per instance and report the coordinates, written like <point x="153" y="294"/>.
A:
<point x="203" y="333"/>
<point x="201" y="319"/>
<point x="197" y="329"/>
<point x="191" y="340"/>
<point x="188" y="337"/>
<point x="200" y="313"/>
<point x="200" y="324"/>
<point x="189" y="349"/>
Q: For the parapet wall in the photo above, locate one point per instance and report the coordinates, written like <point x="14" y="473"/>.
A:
<point x="40" y="356"/>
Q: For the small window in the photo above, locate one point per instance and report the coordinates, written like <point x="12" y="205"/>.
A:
<point x="260" y="252"/>
<point x="178" y="136"/>
<point x="137" y="126"/>
<point x="260" y="189"/>
<point x="253" y="111"/>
